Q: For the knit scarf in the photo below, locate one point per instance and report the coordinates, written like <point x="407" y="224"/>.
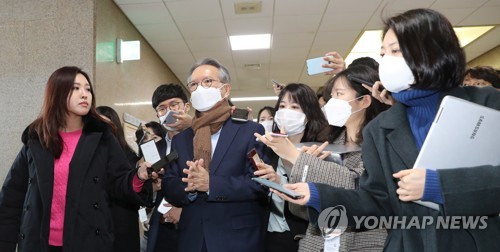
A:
<point x="206" y="124"/>
<point x="421" y="110"/>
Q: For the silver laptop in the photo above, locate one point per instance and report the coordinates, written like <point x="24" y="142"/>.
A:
<point x="463" y="134"/>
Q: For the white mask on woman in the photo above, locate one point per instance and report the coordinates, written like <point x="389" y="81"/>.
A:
<point x="338" y="111"/>
<point x="268" y="125"/>
<point x="395" y="74"/>
<point x="293" y="122"/>
<point x="204" y="99"/>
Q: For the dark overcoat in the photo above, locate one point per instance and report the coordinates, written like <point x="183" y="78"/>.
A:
<point x="98" y="172"/>
<point x="389" y="147"/>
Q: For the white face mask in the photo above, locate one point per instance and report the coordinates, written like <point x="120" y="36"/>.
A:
<point x="338" y="111"/>
<point x="395" y="74"/>
<point x="204" y="99"/>
<point x="268" y="125"/>
<point x="292" y="121"/>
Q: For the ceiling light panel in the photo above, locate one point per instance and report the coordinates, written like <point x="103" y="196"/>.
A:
<point x="250" y="42"/>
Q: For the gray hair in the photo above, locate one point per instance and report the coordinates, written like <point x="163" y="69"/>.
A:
<point x="223" y="73"/>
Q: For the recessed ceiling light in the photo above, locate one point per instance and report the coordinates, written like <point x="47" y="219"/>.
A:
<point x="250" y="42"/>
<point x="368" y="45"/>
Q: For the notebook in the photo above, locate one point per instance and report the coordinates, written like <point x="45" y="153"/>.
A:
<point x="463" y="134"/>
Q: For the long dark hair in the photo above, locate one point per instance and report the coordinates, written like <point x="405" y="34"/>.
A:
<point x="317" y="126"/>
<point x="158" y="129"/>
<point x="55" y="108"/>
<point x="430" y="47"/>
<point x="362" y="72"/>
<point x="118" y="129"/>
<point x="269" y="109"/>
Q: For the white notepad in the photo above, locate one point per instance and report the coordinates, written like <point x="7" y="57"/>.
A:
<point x="463" y="134"/>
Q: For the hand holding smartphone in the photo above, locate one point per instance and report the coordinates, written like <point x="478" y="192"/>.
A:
<point x="278" y="85"/>
<point x="240" y="115"/>
<point x="151" y="155"/>
<point x="278" y="188"/>
<point x="315" y="66"/>
<point x="254" y="158"/>
<point x="162" y="208"/>
<point x="169" y="118"/>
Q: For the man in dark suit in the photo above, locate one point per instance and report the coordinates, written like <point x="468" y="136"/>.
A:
<point x="162" y="233"/>
<point x="222" y="208"/>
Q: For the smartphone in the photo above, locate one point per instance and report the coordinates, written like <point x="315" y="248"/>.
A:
<point x="163" y="209"/>
<point x="278" y="188"/>
<point x="278" y="85"/>
<point x="360" y="81"/>
<point x="162" y="163"/>
<point x="273" y="134"/>
<point x="169" y="119"/>
<point x="240" y="115"/>
<point x="254" y="158"/>
<point x="314" y="66"/>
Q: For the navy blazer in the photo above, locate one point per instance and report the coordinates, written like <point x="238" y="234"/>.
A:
<point x="232" y="215"/>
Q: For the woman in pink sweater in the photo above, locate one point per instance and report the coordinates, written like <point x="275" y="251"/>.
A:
<point x="57" y="193"/>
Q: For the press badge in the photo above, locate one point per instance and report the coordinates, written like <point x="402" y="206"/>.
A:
<point x="332" y="244"/>
<point x="143" y="216"/>
<point x="332" y="241"/>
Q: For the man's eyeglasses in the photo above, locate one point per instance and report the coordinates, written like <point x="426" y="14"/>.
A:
<point x="162" y="109"/>
<point x="206" y="83"/>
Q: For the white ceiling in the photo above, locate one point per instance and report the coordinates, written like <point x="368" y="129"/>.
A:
<point x="182" y="31"/>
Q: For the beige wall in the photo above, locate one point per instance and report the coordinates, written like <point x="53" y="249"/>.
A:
<point x="490" y="58"/>
<point x="129" y="81"/>
<point x="37" y="37"/>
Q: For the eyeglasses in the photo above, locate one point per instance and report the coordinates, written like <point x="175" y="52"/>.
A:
<point x="206" y="83"/>
<point x="162" y="109"/>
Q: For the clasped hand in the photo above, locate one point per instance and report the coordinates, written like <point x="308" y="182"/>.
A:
<point x="197" y="176"/>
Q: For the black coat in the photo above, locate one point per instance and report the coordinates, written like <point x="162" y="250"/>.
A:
<point x="98" y="172"/>
<point x="125" y="216"/>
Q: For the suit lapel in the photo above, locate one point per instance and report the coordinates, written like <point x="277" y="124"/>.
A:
<point x="400" y="136"/>
<point x="226" y="137"/>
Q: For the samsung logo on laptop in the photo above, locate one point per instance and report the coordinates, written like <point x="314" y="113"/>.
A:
<point x="478" y="124"/>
